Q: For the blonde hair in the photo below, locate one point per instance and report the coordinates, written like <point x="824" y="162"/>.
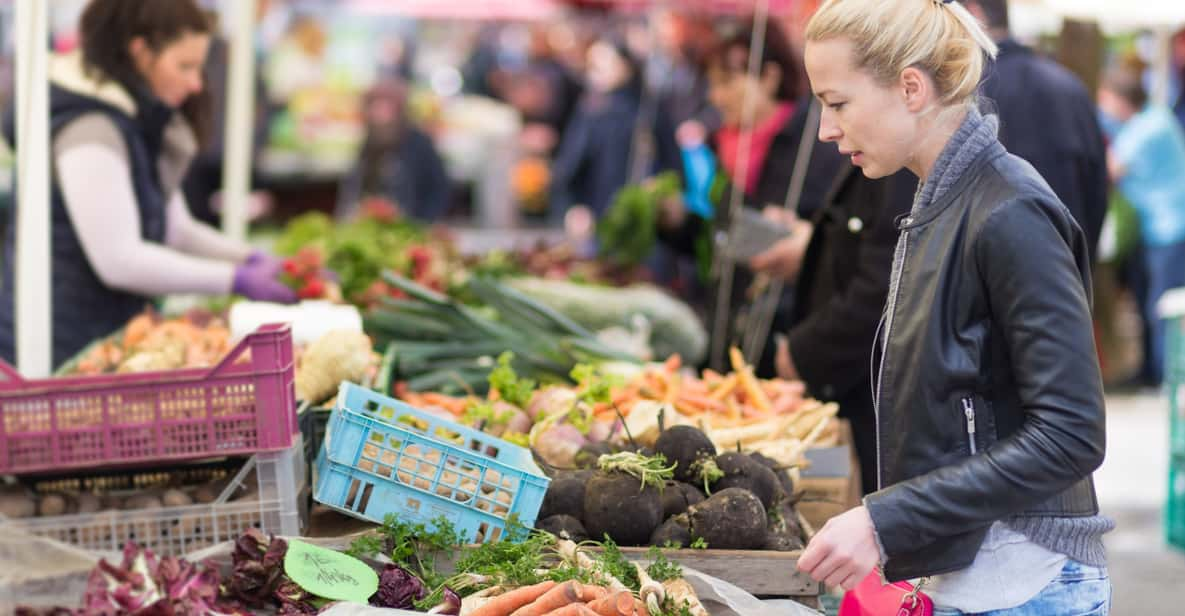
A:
<point x="941" y="38"/>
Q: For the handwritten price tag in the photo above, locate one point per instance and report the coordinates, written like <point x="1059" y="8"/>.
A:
<point x="330" y="574"/>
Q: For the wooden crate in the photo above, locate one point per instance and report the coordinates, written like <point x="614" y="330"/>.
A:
<point x="759" y="572"/>
<point x="831" y="485"/>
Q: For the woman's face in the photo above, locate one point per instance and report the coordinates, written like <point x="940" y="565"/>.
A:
<point x="870" y="122"/>
<point x="607" y="70"/>
<point x="730" y="85"/>
<point x="175" y="72"/>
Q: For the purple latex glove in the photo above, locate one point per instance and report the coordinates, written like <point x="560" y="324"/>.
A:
<point x="258" y="278"/>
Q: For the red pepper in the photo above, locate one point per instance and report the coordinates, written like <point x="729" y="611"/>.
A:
<point x="313" y="288"/>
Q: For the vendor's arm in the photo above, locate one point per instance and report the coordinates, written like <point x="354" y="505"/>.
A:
<point x="92" y="169"/>
<point x="1037" y="299"/>
<point x="189" y="235"/>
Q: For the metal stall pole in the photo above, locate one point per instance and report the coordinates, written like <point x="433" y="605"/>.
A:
<point x="32" y="267"/>
<point x="240" y="120"/>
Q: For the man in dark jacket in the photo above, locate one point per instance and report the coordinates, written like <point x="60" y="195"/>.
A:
<point x="1048" y="118"/>
<point x="841" y="281"/>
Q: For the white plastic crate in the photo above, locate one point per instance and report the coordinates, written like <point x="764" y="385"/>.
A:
<point x="278" y="506"/>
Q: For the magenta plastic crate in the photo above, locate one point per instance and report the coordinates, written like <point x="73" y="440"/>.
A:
<point x="243" y="405"/>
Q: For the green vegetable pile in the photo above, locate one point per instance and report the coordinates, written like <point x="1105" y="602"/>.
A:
<point x="627" y="233"/>
<point x="441" y="344"/>
<point x="523" y="558"/>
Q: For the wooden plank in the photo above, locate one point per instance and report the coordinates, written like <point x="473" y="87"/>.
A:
<point x="758" y="572"/>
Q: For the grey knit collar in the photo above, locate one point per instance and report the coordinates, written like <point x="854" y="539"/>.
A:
<point x="975" y="134"/>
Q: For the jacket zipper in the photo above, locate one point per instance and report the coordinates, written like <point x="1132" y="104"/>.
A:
<point x="969" y="411"/>
<point x="899" y="265"/>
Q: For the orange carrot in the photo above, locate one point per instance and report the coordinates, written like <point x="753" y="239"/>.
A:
<point x="594" y="593"/>
<point x="617" y="604"/>
<point x="508" y="602"/>
<point x="673" y="363"/>
<point x="573" y="609"/>
<point x="554" y="599"/>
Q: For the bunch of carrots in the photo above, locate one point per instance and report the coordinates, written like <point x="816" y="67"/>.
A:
<point x="736" y="398"/>
<point x="567" y="599"/>
<point x="716" y="398"/>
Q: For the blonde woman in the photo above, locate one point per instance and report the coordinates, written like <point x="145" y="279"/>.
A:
<point x="989" y="403"/>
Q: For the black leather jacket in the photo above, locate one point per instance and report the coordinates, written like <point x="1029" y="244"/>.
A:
<point x="990" y="402"/>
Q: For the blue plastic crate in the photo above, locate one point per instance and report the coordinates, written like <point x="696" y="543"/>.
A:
<point x="381" y="456"/>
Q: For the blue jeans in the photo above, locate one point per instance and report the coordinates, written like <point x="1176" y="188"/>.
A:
<point x="1079" y="590"/>
<point x="1165" y="267"/>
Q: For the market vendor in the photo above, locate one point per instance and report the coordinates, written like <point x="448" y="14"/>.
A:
<point x="123" y="112"/>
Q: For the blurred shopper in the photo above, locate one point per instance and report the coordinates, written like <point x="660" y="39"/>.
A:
<point x="593" y="159"/>
<point x="397" y="162"/>
<point x="1047" y="117"/>
<point x="841" y="280"/>
<point x="990" y="407"/>
<point x="778" y="131"/>
<point x="1147" y="161"/>
<point x="125" y="113"/>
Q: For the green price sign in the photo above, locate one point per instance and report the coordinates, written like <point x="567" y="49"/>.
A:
<point x="330" y="574"/>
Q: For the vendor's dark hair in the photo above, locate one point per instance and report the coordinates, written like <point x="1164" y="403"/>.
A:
<point x="776" y="50"/>
<point x="107" y="27"/>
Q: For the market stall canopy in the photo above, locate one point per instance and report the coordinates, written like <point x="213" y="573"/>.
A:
<point x="1112" y="15"/>
<point x="723" y="7"/>
<point x="460" y="9"/>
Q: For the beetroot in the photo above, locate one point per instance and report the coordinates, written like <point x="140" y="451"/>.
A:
<point x="677" y="497"/>
<point x="685" y="446"/>
<point x="620" y="506"/>
<point x="742" y="471"/>
<point x="731" y="519"/>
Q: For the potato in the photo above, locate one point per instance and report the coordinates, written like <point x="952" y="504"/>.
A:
<point x="17" y="502"/>
<point x="175" y="498"/>
<point x="89" y="503"/>
<point x="52" y="504"/>
<point x="142" y="501"/>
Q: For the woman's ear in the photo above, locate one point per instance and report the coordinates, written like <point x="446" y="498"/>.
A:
<point x="916" y="88"/>
<point x="771" y="79"/>
<point x="139" y="52"/>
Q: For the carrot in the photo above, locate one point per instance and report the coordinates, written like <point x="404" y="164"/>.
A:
<point x="724" y="388"/>
<point x="617" y="604"/>
<point x="673" y="363"/>
<point x="573" y="609"/>
<point x="554" y="599"/>
<point x="748" y="382"/>
<point x="594" y="593"/>
<point x="508" y="602"/>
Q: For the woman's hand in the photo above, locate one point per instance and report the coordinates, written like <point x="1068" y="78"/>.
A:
<point x="783" y="360"/>
<point x="844" y="552"/>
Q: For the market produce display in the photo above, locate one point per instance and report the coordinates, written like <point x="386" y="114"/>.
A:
<point x="200" y="339"/>
<point x="152" y="342"/>
<point x="444" y="345"/>
<point x="733" y="500"/>
<point x="673" y="327"/>
<point x="359" y="251"/>
<point x="532" y="573"/>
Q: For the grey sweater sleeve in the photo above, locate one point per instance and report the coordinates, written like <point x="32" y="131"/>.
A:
<point x="91" y="167"/>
